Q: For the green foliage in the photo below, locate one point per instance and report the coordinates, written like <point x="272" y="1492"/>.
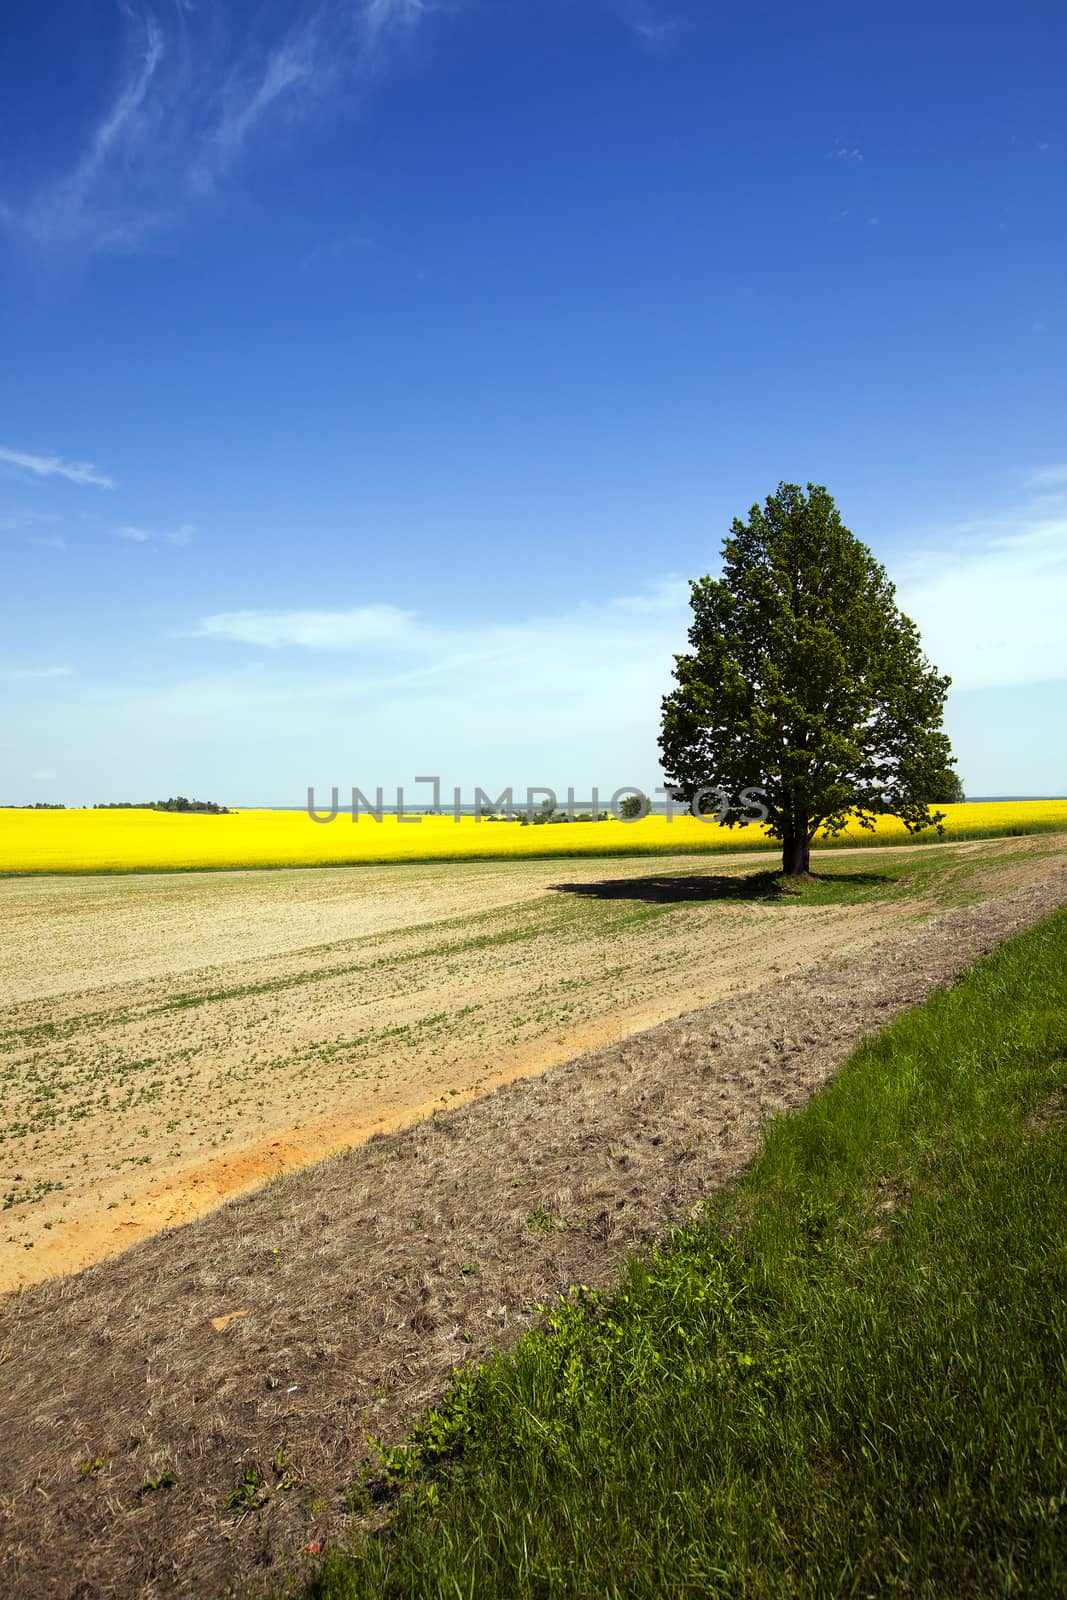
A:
<point x="846" y="1378"/>
<point x="253" y="1489"/>
<point x="164" y="1480"/>
<point x="632" y="805"/>
<point x="948" y="790"/>
<point x="178" y="802"/>
<point x="805" y="681"/>
<point x="548" y="814"/>
<point x="250" y="1492"/>
<point x="541" y="1220"/>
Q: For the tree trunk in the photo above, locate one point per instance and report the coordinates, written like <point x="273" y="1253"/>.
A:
<point x="796" y="853"/>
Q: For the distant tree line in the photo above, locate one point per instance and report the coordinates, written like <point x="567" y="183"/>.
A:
<point x="34" y="805"/>
<point x="948" y="790"/>
<point x="551" y="814"/>
<point x="175" y="803"/>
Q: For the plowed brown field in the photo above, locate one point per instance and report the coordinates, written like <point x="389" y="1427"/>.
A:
<point x="168" y="1041"/>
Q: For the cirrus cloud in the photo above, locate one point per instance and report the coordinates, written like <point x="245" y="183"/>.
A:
<point x="38" y="674"/>
<point x="138" y="535"/>
<point x="184" y="111"/>
<point x="81" y="472"/>
<point x="313" y="630"/>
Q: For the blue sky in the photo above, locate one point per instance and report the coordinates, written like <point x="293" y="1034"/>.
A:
<point x="377" y="371"/>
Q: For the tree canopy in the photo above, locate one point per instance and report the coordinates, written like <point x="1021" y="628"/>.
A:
<point x="804" y="680"/>
<point x="948" y="790"/>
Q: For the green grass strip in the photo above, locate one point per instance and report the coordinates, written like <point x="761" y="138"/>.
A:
<point x="847" y="1379"/>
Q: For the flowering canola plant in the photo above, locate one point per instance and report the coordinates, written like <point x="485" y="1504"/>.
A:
<point x="154" y="841"/>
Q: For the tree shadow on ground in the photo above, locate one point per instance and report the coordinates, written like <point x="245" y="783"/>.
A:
<point x="667" y="889"/>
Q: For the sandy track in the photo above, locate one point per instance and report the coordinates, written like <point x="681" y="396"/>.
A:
<point x="250" y="1041"/>
<point x="360" y="1282"/>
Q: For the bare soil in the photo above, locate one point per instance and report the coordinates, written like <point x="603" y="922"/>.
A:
<point x="282" y="1328"/>
<point x="168" y="1042"/>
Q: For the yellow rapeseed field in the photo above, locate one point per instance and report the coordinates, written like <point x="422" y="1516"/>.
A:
<point x="150" y="841"/>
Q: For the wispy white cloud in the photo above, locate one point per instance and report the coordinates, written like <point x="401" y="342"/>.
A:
<point x="990" y="597"/>
<point x="361" y="627"/>
<point x="652" y="23"/>
<point x="118" y="126"/>
<point x="138" y="535"/>
<point x="248" y="97"/>
<point x="1052" y="477"/>
<point x="380" y="20"/>
<point x="352" y="242"/>
<point x="374" y="693"/>
<point x="667" y="594"/>
<point x="17" y="517"/>
<point x="56" y="467"/>
<point x="843" y="151"/>
<point x="38" y="674"/>
<point x="78" y="207"/>
<point x="369" y="694"/>
<point x="657" y="36"/>
<point x="353" y="629"/>
<point x="184" y="112"/>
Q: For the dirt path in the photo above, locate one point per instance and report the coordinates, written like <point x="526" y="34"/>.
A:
<point x="180" y="1040"/>
<point x="352" y="1287"/>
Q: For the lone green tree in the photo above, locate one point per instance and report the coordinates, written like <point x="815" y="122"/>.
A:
<point x="805" y="681"/>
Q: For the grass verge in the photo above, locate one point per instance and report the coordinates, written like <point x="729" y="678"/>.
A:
<point x="847" y="1377"/>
